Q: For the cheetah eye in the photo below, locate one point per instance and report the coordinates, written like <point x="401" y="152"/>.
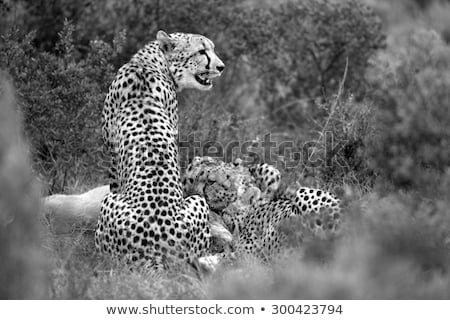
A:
<point x="203" y="51"/>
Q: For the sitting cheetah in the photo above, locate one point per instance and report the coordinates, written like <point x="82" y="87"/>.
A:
<point x="145" y="218"/>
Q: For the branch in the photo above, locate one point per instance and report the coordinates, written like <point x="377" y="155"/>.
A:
<point x="334" y="105"/>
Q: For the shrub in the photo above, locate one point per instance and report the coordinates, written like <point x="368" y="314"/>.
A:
<point x="341" y="145"/>
<point x="305" y="62"/>
<point x="411" y="81"/>
<point x="395" y="248"/>
<point x="309" y="59"/>
<point x="61" y="97"/>
<point x="62" y="75"/>
<point x="22" y="269"/>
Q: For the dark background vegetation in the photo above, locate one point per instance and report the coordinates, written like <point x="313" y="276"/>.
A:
<point x="370" y="76"/>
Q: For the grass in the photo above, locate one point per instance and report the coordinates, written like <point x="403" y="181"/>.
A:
<point x="389" y="249"/>
<point x="79" y="272"/>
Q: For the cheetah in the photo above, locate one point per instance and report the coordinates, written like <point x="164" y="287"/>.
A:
<point x="144" y="217"/>
<point x="247" y="199"/>
<point x="319" y="212"/>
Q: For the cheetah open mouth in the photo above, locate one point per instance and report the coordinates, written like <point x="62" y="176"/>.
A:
<point x="203" y="79"/>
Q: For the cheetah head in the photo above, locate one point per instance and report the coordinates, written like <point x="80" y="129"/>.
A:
<point x="191" y="58"/>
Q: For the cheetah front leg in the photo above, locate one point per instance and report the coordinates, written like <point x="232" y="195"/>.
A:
<point x="201" y="228"/>
<point x="195" y="213"/>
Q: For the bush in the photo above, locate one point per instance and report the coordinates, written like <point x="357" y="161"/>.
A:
<point x="342" y="143"/>
<point x="309" y="60"/>
<point x="61" y="97"/>
<point x="62" y="75"/>
<point x="411" y="81"/>
<point x="395" y="248"/>
<point x="22" y="270"/>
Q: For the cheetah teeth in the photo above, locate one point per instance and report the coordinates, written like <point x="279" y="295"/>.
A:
<point x="202" y="80"/>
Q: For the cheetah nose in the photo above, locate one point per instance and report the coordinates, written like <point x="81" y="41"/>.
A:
<point x="220" y="68"/>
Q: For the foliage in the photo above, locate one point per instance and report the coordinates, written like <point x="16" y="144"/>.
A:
<point x="61" y="98"/>
<point x="341" y="145"/>
<point x="411" y="82"/>
<point x="22" y="268"/>
<point x="306" y="62"/>
<point x="395" y="248"/>
<point x="62" y="73"/>
<point x="310" y="58"/>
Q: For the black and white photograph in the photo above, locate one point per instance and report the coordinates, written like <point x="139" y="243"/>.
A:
<point x="206" y="150"/>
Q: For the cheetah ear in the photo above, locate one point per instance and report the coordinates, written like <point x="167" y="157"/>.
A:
<point x="165" y="42"/>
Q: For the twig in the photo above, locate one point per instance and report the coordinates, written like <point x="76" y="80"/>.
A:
<point x="334" y="105"/>
<point x="289" y="104"/>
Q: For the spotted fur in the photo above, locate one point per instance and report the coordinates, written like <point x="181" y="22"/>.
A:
<point x="245" y="199"/>
<point x="267" y="177"/>
<point x="319" y="213"/>
<point x="145" y="218"/>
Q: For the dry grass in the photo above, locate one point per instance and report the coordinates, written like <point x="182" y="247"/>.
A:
<point x="394" y="247"/>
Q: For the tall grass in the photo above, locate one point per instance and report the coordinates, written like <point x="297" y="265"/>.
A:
<point x="389" y="250"/>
